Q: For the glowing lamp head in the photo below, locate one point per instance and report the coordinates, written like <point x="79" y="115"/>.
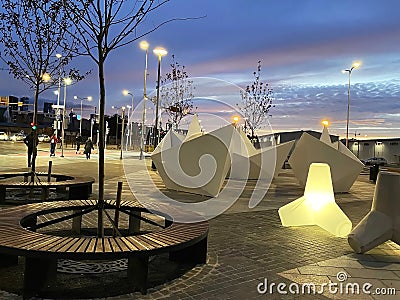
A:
<point x="236" y="119"/>
<point x="356" y="64"/>
<point x="325" y="123"/>
<point x="46" y="77"/>
<point x="125" y="92"/>
<point x="89" y="98"/>
<point x="67" y="81"/>
<point x="159" y="51"/>
<point x="58" y="55"/>
<point x="144" y="45"/>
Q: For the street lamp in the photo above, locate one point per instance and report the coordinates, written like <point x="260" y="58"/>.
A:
<point x="126" y="93"/>
<point x="144" y="46"/>
<point x="80" y="121"/>
<point x="160" y="52"/>
<point x="355" y="65"/>
<point x="235" y="120"/>
<point x="67" y="81"/>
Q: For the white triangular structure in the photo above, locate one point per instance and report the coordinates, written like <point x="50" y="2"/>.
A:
<point x="325" y="137"/>
<point x="260" y="163"/>
<point x="198" y="165"/>
<point x="382" y="223"/>
<point x="194" y="129"/>
<point x="317" y="206"/>
<point x="345" y="166"/>
<point x="171" y="139"/>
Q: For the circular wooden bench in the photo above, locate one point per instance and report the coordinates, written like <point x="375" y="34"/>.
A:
<point x="77" y="187"/>
<point x="18" y="237"/>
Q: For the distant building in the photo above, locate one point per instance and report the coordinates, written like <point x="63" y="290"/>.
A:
<point x="48" y="108"/>
<point x="25" y="103"/>
<point x="282" y="137"/>
<point x="388" y="148"/>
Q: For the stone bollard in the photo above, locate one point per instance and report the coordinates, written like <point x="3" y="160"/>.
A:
<point x="382" y="222"/>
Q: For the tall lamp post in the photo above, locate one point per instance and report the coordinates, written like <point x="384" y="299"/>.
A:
<point x="67" y="81"/>
<point x="80" y="121"/>
<point x="160" y="52"/>
<point x="126" y="93"/>
<point x="59" y="56"/>
<point x="355" y="65"/>
<point x="122" y="133"/>
<point x="144" y="46"/>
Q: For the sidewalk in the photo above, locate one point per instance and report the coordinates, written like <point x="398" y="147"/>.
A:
<point x="249" y="247"/>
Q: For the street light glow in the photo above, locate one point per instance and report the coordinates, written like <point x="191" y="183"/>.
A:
<point x="160" y="51"/>
<point x="125" y="92"/>
<point x="67" y="81"/>
<point x="144" y="45"/>
<point x="235" y="119"/>
<point x="58" y="55"/>
<point x="46" y="77"/>
<point x="325" y="123"/>
<point x="356" y="64"/>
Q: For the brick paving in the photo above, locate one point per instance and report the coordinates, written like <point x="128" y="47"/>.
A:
<point x="247" y="246"/>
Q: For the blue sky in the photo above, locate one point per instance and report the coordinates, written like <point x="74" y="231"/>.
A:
<point x="303" y="46"/>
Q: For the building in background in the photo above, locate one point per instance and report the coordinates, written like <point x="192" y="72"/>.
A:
<point x="386" y="148"/>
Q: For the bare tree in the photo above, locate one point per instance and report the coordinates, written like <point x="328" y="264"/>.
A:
<point x="177" y="93"/>
<point x="101" y="27"/>
<point x="256" y="102"/>
<point x="31" y="40"/>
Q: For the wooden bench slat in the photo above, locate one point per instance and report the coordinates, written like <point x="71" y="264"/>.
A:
<point x="68" y="245"/>
<point x="77" y="245"/>
<point x="54" y="247"/>
<point x="82" y="248"/>
<point x="126" y="245"/>
<point x="99" y="245"/>
<point x="107" y="245"/>
<point x="137" y="243"/>
<point x="92" y="245"/>
<point x="156" y="243"/>
<point x="114" y="245"/>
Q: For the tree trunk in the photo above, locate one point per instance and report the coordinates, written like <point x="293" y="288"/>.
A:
<point x="100" y="227"/>
<point x="34" y="132"/>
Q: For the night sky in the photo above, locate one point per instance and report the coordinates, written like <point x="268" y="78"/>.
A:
<point x="303" y="46"/>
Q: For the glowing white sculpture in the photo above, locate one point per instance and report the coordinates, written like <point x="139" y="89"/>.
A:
<point x="197" y="165"/>
<point x="264" y="163"/>
<point x="345" y="166"/>
<point x="317" y="206"/>
<point x="382" y="223"/>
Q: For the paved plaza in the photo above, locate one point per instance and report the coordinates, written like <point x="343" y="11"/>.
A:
<point x="249" y="253"/>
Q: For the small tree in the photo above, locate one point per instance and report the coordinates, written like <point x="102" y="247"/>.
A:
<point x="102" y="27"/>
<point x="31" y="40"/>
<point x="177" y="93"/>
<point x="256" y="102"/>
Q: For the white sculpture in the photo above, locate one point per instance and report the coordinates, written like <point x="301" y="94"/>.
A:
<point x="197" y="165"/>
<point x="317" y="206"/>
<point x="194" y="129"/>
<point x="263" y="163"/>
<point x="345" y="166"/>
<point x="382" y="223"/>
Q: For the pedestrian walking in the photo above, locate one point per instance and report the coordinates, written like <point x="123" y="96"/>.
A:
<point x="88" y="148"/>
<point x="78" y="141"/>
<point x="53" y="144"/>
<point x="29" y="142"/>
